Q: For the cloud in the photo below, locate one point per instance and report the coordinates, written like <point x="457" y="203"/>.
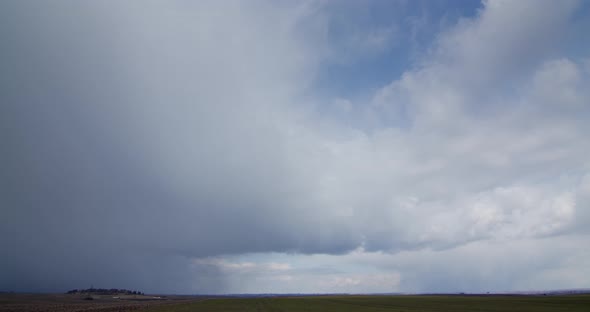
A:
<point x="146" y="132"/>
<point x="242" y="267"/>
<point x="146" y="144"/>
<point x="284" y="277"/>
<point x="482" y="266"/>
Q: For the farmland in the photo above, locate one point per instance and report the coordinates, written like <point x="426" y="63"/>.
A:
<point x="74" y="303"/>
<point x="65" y="303"/>
<point x="391" y="303"/>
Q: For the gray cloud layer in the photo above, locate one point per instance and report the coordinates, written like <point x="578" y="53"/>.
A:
<point x="136" y="138"/>
<point x="140" y="131"/>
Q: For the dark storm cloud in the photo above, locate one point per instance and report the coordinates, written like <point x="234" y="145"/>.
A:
<point x="105" y="179"/>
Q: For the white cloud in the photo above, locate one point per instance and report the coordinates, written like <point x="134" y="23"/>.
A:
<point x="308" y="275"/>
<point x="560" y="83"/>
<point x="242" y="267"/>
<point x="363" y="283"/>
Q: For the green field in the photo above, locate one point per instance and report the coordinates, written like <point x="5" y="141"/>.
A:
<point x="391" y="303"/>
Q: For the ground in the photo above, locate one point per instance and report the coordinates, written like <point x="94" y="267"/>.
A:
<point x="572" y="303"/>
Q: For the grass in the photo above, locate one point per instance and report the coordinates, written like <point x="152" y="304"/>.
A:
<point x="390" y="303"/>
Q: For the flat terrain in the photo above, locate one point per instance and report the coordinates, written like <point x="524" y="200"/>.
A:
<point x="69" y="303"/>
<point x="392" y="303"/>
<point x="73" y="303"/>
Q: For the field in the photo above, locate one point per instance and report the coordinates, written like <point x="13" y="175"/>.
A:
<point x="392" y="303"/>
<point x="65" y="303"/>
<point x="10" y="302"/>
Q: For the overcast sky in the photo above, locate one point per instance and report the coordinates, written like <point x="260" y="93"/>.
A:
<point x="294" y="146"/>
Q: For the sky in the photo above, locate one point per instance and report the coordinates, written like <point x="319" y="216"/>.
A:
<point x="218" y="147"/>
